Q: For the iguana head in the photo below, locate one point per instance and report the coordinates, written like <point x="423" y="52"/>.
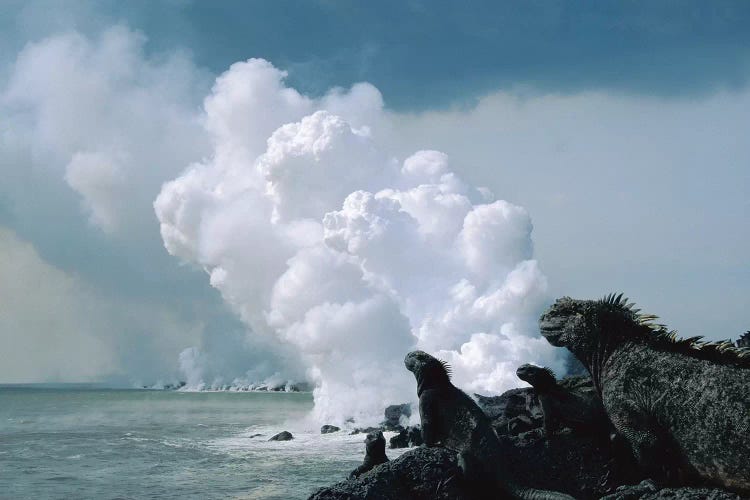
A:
<point x="537" y="376"/>
<point x="583" y="325"/>
<point x="567" y="323"/>
<point x="375" y="443"/>
<point x="429" y="371"/>
<point x="592" y="329"/>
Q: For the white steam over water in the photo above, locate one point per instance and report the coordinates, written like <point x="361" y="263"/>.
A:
<point x="328" y="246"/>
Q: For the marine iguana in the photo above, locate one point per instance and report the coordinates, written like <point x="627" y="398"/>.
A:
<point x="580" y="410"/>
<point x="453" y="420"/>
<point x="680" y="402"/>
<point x="374" y="453"/>
<point x="744" y="340"/>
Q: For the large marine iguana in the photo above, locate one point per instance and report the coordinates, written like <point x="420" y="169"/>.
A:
<point x="453" y="420"/>
<point x="683" y="403"/>
<point x="580" y="410"/>
<point x="374" y="453"/>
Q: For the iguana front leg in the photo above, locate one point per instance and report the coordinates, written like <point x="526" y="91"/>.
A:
<point x="550" y="423"/>
<point x="429" y="412"/>
<point x="649" y="442"/>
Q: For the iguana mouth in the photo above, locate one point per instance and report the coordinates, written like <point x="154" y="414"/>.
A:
<point x="552" y="329"/>
<point x="410" y="361"/>
<point x="522" y="372"/>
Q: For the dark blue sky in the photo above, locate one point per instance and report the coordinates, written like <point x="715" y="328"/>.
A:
<point x="426" y="54"/>
<point x="420" y="54"/>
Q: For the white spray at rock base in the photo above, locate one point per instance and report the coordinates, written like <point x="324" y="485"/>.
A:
<point x="325" y="243"/>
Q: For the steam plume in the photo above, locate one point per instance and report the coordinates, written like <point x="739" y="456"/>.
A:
<point x="320" y="239"/>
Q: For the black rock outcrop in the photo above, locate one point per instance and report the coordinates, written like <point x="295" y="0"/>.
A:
<point x="393" y="414"/>
<point x="648" y="490"/>
<point x="328" y="429"/>
<point x="282" y="436"/>
<point x="579" y="464"/>
<point x="400" y="440"/>
<point x="415" y="435"/>
<point x="414" y="475"/>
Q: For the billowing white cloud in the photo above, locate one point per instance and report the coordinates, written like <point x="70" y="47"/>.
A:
<point x="98" y="117"/>
<point x="326" y="241"/>
<point x="98" y="179"/>
<point x="109" y="120"/>
<point x="640" y="194"/>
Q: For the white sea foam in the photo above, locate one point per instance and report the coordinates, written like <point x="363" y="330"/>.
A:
<point x="308" y="442"/>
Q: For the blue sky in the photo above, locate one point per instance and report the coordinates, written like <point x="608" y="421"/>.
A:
<point x="619" y="126"/>
<point x="427" y="54"/>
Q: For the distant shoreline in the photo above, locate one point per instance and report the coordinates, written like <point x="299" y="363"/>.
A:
<point x="101" y="386"/>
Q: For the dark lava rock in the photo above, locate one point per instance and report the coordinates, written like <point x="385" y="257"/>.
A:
<point x="254" y="436"/>
<point x="411" y="436"/>
<point x="400" y="440"/>
<point x="744" y="340"/>
<point x="365" y="430"/>
<point x="415" y="435"/>
<point x="633" y="491"/>
<point x="414" y="475"/>
<point x="520" y="424"/>
<point x="299" y="387"/>
<point x="585" y="467"/>
<point x="510" y="404"/>
<point x="505" y="410"/>
<point x="648" y="490"/>
<point x="492" y="406"/>
<point x="393" y="415"/>
<point x="327" y="429"/>
<point x="282" y="436"/>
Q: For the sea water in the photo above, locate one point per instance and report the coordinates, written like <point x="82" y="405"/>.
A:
<point x="84" y="442"/>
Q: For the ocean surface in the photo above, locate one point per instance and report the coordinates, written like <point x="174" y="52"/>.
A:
<point x="84" y="442"/>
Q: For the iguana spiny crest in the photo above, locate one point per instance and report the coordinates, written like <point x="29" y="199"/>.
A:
<point x="589" y="327"/>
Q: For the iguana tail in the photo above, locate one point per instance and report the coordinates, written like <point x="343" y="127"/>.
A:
<point x="474" y="472"/>
<point x="534" y="494"/>
<point x="520" y="493"/>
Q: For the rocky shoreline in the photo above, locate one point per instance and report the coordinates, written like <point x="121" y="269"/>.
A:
<point x="591" y="465"/>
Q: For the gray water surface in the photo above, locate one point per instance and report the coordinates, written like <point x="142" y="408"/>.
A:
<point x="104" y="443"/>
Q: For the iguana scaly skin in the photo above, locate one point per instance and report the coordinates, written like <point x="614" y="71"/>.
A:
<point x="453" y="420"/>
<point x="681" y="403"/>
<point x="374" y="453"/>
<point x="580" y="410"/>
